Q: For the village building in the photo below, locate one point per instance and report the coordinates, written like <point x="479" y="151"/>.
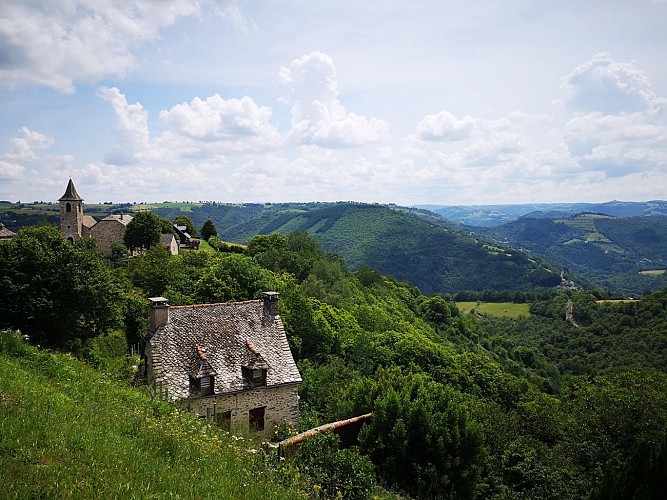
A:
<point x="109" y="230"/>
<point x="184" y="238"/>
<point x="228" y="361"/>
<point x="74" y="224"/>
<point x="6" y="234"/>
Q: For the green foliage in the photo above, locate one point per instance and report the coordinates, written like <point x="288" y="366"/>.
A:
<point x="208" y="229"/>
<point x="422" y="438"/>
<point x="233" y="277"/>
<point x="144" y="231"/>
<point x="44" y="455"/>
<point x="335" y="473"/>
<point x="184" y="220"/>
<point x="57" y="293"/>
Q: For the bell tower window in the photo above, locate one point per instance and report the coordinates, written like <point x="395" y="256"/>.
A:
<point x="68" y="208"/>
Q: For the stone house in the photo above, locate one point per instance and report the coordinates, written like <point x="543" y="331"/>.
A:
<point x="229" y="361"/>
<point x="185" y="240"/>
<point x="168" y="241"/>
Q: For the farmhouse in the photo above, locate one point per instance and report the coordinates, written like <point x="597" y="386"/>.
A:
<point x="230" y="361"/>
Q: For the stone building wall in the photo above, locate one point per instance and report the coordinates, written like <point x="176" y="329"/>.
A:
<point x="280" y="403"/>
<point x="107" y="232"/>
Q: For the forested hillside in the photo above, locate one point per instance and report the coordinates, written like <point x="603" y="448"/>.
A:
<point x="464" y="405"/>
<point x="404" y="245"/>
<point x="626" y="255"/>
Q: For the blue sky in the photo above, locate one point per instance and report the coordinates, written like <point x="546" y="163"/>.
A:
<point x="475" y="102"/>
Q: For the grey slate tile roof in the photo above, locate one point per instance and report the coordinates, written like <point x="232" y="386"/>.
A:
<point x="220" y="339"/>
<point x="70" y="193"/>
<point x="88" y="221"/>
<point x="5" y="233"/>
<point x="123" y="219"/>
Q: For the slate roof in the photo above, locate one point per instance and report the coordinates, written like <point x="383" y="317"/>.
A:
<point x="6" y="234"/>
<point x="124" y="219"/>
<point x="88" y="221"/>
<point x="70" y="193"/>
<point x="230" y="336"/>
<point x="166" y="239"/>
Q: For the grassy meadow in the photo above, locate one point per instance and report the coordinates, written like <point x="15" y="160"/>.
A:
<point x="501" y="309"/>
<point x="68" y="430"/>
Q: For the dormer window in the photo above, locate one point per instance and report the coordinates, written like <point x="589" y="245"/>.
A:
<point x="255" y="377"/>
<point x="203" y="386"/>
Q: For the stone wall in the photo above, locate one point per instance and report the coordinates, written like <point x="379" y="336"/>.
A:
<point x="280" y="403"/>
<point x="107" y="232"/>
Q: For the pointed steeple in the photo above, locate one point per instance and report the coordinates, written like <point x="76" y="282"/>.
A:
<point x="70" y="193"/>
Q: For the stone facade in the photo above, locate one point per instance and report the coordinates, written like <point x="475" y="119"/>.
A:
<point x="110" y="230"/>
<point x="279" y="403"/>
<point x="74" y="224"/>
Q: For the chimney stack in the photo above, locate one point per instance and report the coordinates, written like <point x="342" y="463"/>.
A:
<point x="271" y="303"/>
<point x="159" y="313"/>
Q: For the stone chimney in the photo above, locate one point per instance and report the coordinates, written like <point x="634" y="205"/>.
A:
<point x="271" y="303"/>
<point x="159" y="313"/>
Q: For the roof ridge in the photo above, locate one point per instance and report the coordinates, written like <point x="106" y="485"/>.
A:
<point x="193" y="306"/>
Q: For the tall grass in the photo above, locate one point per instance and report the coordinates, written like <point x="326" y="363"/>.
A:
<point x="67" y="430"/>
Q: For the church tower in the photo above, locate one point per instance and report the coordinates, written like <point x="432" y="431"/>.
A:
<point x="71" y="213"/>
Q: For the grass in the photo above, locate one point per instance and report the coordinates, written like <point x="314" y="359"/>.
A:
<point x="501" y="309"/>
<point x="67" y="430"/>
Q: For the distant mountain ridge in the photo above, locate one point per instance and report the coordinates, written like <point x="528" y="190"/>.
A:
<point x="495" y="215"/>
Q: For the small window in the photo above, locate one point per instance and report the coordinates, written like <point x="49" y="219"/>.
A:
<point x="255" y="377"/>
<point x="206" y="386"/>
<point x="68" y="208"/>
<point x="202" y="386"/>
<point x="256" y="419"/>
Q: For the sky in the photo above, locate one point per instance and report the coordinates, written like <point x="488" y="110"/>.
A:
<point x="422" y="102"/>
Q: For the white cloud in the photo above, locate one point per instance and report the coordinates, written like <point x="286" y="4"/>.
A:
<point x="29" y="146"/>
<point x="310" y="89"/>
<point x="444" y="126"/>
<point x="232" y="13"/>
<point x="218" y="119"/>
<point x="55" y="43"/>
<point x="607" y="86"/>
<point x="131" y="127"/>
<point x="10" y="171"/>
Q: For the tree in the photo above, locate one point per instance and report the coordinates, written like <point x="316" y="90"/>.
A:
<point x="60" y="294"/>
<point x="208" y="230"/>
<point x="421" y="437"/>
<point x="233" y="277"/>
<point x="184" y="220"/>
<point x="144" y="231"/>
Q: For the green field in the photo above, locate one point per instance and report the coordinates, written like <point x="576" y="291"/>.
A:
<point x="502" y="309"/>
<point x="653" y="272"/>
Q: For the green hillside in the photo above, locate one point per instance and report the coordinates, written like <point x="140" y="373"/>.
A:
<point x="404" y="245"/>
<point x="618" y="252"/>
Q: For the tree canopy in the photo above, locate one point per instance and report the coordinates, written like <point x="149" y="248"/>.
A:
<point x="144" y="231"/>
<point x="208" y="230"/>
<point x="57" y="293"/>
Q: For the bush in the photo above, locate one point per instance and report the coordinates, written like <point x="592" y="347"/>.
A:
<point x="336" y="473"/>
